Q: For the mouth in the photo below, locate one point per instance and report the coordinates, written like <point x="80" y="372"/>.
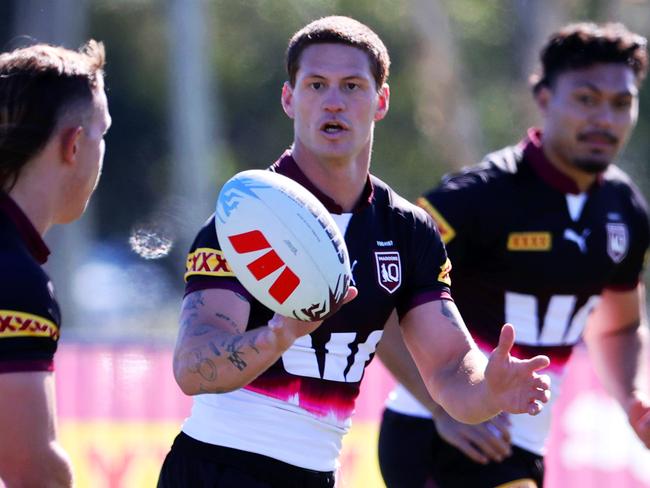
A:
<point x="598" y="138"/>
<point x="333" y="127"/>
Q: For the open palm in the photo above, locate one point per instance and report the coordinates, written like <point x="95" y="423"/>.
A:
<point x="514" y="384"/>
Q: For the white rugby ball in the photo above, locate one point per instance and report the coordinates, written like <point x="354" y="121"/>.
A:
<point x="282" y="244"/>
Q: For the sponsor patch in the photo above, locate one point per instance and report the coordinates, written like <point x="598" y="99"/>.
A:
<point x="444" y="276"/>
<point x="617" y="241"/>
<point x="207" y="262"/>
<point x="447" y="232"/>
<point x="529" y="241"/>
<point x="21" y="324"/>
<point x="389" y="270"/>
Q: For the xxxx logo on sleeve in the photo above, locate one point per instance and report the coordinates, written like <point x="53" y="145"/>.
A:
<point x="21" y="324"/>
<point x="207" y="262"/>
<point x="269" y="262"/>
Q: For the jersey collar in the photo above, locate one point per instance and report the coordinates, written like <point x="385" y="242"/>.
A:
<point x="27" y="231"/>
<point x="288" y="167"/>
<point x="534" y="154"/>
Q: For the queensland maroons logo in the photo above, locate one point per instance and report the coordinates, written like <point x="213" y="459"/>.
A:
<point x="617" y="241"/>
<point x="389" y="270"/>
<point x="269" y="262"/>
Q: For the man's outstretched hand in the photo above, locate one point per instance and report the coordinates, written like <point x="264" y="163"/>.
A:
<point x="514" y="384"/>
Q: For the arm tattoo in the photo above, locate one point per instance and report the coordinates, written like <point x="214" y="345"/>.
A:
<point x="449" y="314"/>
<point x="241" y="297"/>
<point x="235" y="353"/>
<point x="195" y="300"/>
<point x="252" y="343"/>
<point x="201" y="365"/>
<point x="227" y="319"/>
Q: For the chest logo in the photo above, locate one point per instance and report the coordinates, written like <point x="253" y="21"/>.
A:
<point x="389" y="270"/>
<point x="579" y="239"/>
<point x="617" y="241"/>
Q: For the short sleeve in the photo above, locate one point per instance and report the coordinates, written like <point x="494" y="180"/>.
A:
<point x="636" y="238"/>
<point x="29" y="319"/>
<point x="429" y="267"/>
<point x="206" y="266"/>
<point x="453" y="207"/>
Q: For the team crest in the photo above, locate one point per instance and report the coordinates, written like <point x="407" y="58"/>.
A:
<point x="617" y="241"/>
<point x="389" y="270"/>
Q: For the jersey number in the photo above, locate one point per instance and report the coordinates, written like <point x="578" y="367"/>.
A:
<point x="557" y="328"/>
<point x="300" y="358"/>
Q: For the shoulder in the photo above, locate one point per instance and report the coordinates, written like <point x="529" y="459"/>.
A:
<point x="618" y="181"/>
<point x="493" y="173"/>
<point x="394" y="204"/>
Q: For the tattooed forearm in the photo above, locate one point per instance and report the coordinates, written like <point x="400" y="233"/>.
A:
<point x="252" y="343"/>
<point x="214" y="348"/>
<point x="235" y="353"/>
<point x="201" y="365"/>
<point x="241" y="297"/>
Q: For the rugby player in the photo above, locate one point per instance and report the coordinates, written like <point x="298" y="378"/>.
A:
<point x="273" y="396"/>
<point x="53" y="117"/>
<point x="550" y="236"/>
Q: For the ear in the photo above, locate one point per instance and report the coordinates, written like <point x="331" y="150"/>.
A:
<point x="543" y="98"/>
<point x="287" y="99"/>
<point x="69" y="138"/>
<point x="384" y="102"/>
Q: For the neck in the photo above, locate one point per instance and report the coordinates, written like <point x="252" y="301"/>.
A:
<point x="582" y="179"/>
<point x="342" y="179"/>
<point x="35" y="194"/>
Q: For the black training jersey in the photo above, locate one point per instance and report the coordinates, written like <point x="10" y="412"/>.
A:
<point x="398" y="261"/>
<point x="528" y="248"/>
<point x="29" y="314"/>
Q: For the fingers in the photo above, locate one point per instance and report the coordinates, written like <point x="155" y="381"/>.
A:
<point x="538" y="362"/>
<point x="351" y="294"/>
<point x="501" y="424"/>
<point x="471" y="451"/>
<point x="493" y="443"/>
<point x="506" y="341"/>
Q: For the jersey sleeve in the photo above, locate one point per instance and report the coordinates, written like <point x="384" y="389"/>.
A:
<point x="454" y="206"/>
<point x="637" y="237"/>
<point x="427" y="272"/>
<point x="206" y="266"/>
<point x="29" y="321"/>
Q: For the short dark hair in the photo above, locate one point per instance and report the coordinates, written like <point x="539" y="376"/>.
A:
<point x="339" y="30"/>
<point x="39" y="84"/>
<point x="584" y="44"/>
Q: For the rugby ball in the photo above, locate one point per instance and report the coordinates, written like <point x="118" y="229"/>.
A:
<point x="282" y="244"/>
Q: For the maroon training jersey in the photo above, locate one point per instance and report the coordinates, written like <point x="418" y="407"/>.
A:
<point x="29" y="314"/>
<point x="528" y="248"/>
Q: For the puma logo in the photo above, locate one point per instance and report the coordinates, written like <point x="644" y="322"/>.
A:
<point x="579" y="239"/>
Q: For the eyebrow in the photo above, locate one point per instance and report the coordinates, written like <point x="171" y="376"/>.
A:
<point x="588" y="84"/>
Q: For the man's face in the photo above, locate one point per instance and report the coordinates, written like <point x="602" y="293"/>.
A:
<point x="588" y="115"/>
<point x="335" y="102"/>
<point x="90" y="153"/>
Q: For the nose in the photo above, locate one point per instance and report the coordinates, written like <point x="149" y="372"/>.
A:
<point x="604" y="117"/>
<point x="333" y="101"/>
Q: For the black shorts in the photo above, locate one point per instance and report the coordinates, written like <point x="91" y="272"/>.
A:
<point x="405" y="450"/>
<point x="195" y="464"/>
<point x="450" y="467"/>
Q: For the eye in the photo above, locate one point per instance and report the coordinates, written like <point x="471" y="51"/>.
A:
<point x="622" y="103"/>
<point x="351" y="86"/>
<point x="586" y="99"/>
<point x="316" y="85"/>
